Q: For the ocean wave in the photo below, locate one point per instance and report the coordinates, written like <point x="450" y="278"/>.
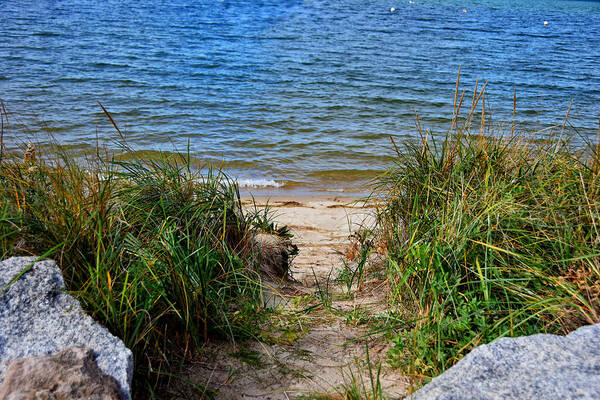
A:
<point x="258" y="183"/>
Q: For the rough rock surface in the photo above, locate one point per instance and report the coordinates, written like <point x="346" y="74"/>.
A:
<point x="71" y="374"/>
<point x="536" y="367"/>
<point x="38" y="318"/>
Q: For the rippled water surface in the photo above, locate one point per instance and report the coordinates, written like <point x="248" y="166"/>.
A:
<point x="288" y="91"/>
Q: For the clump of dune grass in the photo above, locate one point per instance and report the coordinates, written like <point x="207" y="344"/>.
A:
<point x="155" y="250"/>
<point x="488" y="234"/>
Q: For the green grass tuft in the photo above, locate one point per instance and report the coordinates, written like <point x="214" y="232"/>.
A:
<point x="156" y="251"/>
<point x="487" y="235"/>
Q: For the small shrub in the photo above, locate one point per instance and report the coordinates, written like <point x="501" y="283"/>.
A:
<point x="154" y="250"/>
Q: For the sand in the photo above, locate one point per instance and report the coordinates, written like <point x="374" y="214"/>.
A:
<point x="321" y="227"/>
<point x="317" y="351"/>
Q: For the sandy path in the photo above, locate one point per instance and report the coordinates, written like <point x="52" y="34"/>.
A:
<point x="321" y="227"/>
<point x="312" y="352"/>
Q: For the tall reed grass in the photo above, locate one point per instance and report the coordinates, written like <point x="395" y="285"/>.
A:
<point x="488" y="233"/>
<point x="155" y="250"/>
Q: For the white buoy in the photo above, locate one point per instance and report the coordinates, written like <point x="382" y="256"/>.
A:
<point x="545" y="23"/>
<point x="392" y="9"/>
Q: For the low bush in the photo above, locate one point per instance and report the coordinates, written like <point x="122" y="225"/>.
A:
<point x="155" y="250"/>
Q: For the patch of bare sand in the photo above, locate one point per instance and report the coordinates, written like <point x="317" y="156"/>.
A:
<point x="317" y="351"/>
<point x="321" y="226"/>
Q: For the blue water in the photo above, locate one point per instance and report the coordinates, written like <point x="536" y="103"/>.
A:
<point x="289" y="91"/>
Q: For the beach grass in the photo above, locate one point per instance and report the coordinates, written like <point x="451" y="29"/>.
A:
<point x="488" y="232"/>
<point x="485" y="232"/>
<point x="158" y="251"/>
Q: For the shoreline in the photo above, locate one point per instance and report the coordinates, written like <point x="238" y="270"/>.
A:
<point x="288" y="199"/>
<point x="306" y="191"/>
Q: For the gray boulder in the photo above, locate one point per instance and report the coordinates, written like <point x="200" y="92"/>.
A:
<point x="38" y="318"/>
<point x="533" y="367"/>
<point x="71" y="374"/>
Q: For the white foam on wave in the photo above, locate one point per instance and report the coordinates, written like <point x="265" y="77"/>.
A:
<point x="258" y="183"/>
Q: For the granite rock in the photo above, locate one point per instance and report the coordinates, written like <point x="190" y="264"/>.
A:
<point x="38" y="318"/>
<point x="535" y="367"/>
